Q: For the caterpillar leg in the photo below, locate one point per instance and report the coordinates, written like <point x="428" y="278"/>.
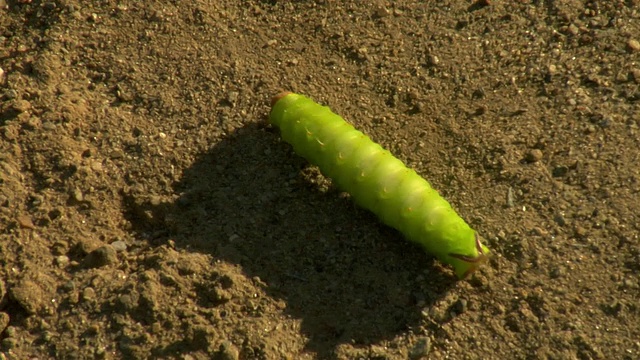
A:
<point x="471" y="263"/>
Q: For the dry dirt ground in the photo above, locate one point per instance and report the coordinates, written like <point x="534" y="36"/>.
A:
<point x="147" y="210"/>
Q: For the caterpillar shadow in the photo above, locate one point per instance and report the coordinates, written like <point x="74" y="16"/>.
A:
<point x="348" y="278"/>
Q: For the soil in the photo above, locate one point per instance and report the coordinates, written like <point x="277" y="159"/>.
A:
<point x="147" y="210"/>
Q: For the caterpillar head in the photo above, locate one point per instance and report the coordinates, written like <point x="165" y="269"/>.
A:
<point x="280" y="95"/>
<point x="465" y="264"/>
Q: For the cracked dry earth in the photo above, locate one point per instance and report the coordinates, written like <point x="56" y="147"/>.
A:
<point x="148" y="212"/>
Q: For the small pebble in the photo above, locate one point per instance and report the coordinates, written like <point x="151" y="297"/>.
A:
<point x="88" y="294"/>
<point x="510" y="202"/>
<point x="62" y="260"/>
<point x="11" y="94"/>
<point x="29" y="295"/>
<point x="49" y="126"/>
<point x="102" y="256"/>
<point x="635" y="75"/>
<point x="461" y="306"/>
<point x="232" y="97"/>
<point x="421" y="349"/>
<point x="573" y="29"/>
<point x="559" y="219"/>
<point x="228" y="351"/>
<point x="381" y="12"/>
<point x="127" y="302"/>
<point x="580" y="232"/>
<point x="534" y="155"/>
<point x="560" y="171"/>
<point x="633" y="45"/>
<point x="433" y="60"/>
<point x="25" y="222"/>
<point x="4" y="321"/>
<point x="21" y="106"/>
<point x="96" y="166"/>
<point x="77" y="195"/>
<point x="119" y="246"/>
<point x="481" y="110"/>
<point x="539" y="231"/>
<point x="68" y="286"/>
<point x="557" y="272"/>
<point x="9" y="343"/>
<point x="2" y="75"/>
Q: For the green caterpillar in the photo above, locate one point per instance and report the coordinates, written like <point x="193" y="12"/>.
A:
<point x="378" y="181"/>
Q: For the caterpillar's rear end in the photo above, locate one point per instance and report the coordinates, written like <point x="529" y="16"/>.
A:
<point x="378" y="181"/>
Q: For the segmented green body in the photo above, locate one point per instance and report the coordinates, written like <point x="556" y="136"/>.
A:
<point x="378" y="181"/>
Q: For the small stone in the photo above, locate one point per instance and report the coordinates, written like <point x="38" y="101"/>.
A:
<point x="461" y="306"/>
<point x="614" y="308"/>
<point x="11" y="331"/>
<point x="478" y="93"/>
<point x="534" y="155"/>
<point x="232" y="97"/>
<point x="227" y="351"/>
<point x="381" y="12"/>
<point x="77" y="196"/>
<point x="2" y="75"/>
<point x="557" y="272"/>
<point x="96" y="166"/>
<point x="85" y="245"/>
<point x="3" y="292"/>
<point x="4" y="321"/>
<point x="221" y="296"/>
<point x="629" y="283"/>
<point x="128" y="302"/>
<point x="559" y="219"/>
<point x="272" y="42"/>
<point x="117" y="154"/>
<point x="510" y="201"/>
<point x="102" y="256"/>
<point x="68" y="286"/>
<point x="421" y="349"/>
<point x="49" y="126"/>
<point x="25" y="222"/>
<point x="9" y="343"/>
<point x="635" y="75"/>
<point x="433" y="60"/>
<point x="539" y="231"/>
<point x="633" y="45"/>
<point x="21" y="106"/>
<point x="29" y="296"/>
<point x="622" y="77"/>
<point x="119" y="246"/>
<point x="552" y="69"/>
<point x="573" y="29"/>
<point x="88" y="294"/>
<point x="62" y="260"/>
<point x="481" y="110"/>
<point x="560" y="171"/>
<point x="11" y="94"/>
<point x="580" y="232"/>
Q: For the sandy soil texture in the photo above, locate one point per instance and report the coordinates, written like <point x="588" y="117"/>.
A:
<point x="147" y="211"/>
